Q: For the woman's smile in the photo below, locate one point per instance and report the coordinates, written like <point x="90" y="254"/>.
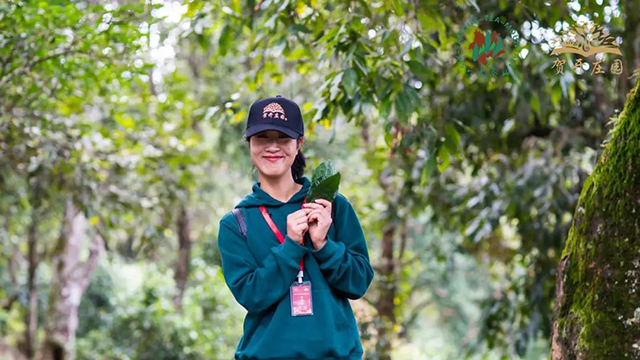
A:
<point x="273" y="158"/>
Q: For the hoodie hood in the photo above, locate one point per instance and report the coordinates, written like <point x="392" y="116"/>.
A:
<point x="261" y="197"/>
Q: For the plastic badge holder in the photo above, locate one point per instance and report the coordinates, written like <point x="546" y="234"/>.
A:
<point x="301" y="303"/>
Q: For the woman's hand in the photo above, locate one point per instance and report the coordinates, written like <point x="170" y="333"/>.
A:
<point x="319" y="221"/>
<point x="297" y="225"/>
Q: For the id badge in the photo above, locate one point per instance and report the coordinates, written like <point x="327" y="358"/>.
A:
<point x="301" y="299"/>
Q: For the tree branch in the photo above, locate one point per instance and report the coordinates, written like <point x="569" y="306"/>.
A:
<point x="413" y="315"/>
<point x="31" y="64"/>
<point x="404" y="231"/>
<point x="97" y="246"/>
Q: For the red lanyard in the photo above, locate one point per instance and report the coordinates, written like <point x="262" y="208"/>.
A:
<point x="275" y="230"/>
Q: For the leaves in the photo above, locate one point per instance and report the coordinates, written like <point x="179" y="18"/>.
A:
<point x="477" y="159"/>
<point x="324" y="182"/>
<point x="349" y="81"/>
<point x="225" y="39"/>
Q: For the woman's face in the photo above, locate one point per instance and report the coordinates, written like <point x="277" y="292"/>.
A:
<point x="273" y="152"/>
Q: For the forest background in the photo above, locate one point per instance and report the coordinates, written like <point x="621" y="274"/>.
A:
<point x="121" y="148"/>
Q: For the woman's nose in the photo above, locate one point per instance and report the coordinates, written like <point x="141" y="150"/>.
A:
<point x="272" y="143"/>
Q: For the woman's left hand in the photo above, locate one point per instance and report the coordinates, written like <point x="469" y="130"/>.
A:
<point x="319" y="221"/>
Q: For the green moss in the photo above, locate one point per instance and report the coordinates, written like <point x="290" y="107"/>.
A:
<point x="597" y="290"/>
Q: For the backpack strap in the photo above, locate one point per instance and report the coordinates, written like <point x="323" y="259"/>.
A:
<point x="333" y="211"/>
<point x="237" y="212"/>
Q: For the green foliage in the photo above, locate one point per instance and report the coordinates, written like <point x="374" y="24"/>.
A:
<point x="137" y="318"/>
<point x="92" y="107"/>
<point x="324" y="183"/>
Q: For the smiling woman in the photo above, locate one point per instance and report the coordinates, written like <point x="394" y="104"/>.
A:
<point x="273" y="145"/>
<point x="275" y="154"/>
<point x="288" y="318"/>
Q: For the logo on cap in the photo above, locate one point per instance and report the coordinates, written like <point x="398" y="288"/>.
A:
<point x="273" y="110"/>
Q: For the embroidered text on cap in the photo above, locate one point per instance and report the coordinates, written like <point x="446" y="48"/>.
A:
<point x="274" y="110"/>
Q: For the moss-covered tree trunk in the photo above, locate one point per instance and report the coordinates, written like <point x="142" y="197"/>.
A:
<point x="597" y="306"/>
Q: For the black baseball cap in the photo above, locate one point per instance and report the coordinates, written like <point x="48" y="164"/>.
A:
<point x="275" y="113"/>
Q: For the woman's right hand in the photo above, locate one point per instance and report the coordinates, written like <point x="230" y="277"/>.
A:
<point x="297" y="225"/>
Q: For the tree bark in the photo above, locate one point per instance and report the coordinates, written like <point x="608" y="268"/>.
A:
<point x="31" y="318"/>
<point x="386" y="305"/>
<point x="388" y="269"/>
<point x="9" y="353"/>
<point x="631" y="44"/>
<point x="69" y="279"/>
<point x="597" y="305"/>
<point x="184" y="251"/>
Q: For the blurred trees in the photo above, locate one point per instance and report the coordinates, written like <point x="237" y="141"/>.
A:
<point x="132" y="113"/>
<point x="55" y="160"/>
<point x="500" y="161"/>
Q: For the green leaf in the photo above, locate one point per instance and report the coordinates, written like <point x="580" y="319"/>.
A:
<point x="443" y="154"/>
<point x="298" y="54"/>
<point x="385" y="109"/>
<point x="225" y="39"/>
<point x="406" y="46"/>
<point x="300" y="28"/>
<point x="349" y="80"/>
<point x="556" y="95"/>
<point x="452" y="138"/>
<point x="535" y="103"/>
<point x="388" y="139"/>
<point x="398" y="7"/>
<point x="419" y="69"/>
<point x="193" y="8"/>
<point x="324" y="183"/>
<point x="403" y="106"/>
<point x="428" y="170"/>
<point x="235" y="6"/>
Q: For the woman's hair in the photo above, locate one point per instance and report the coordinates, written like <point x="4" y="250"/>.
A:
<point x="300" y="162"/>
<point x="297" y="168"/>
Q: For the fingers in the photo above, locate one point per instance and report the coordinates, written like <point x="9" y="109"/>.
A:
<point x="317" y="215"/>
<point x="312" y="206"/>
<point x="318" y="203"/>
<point x="297" y="225"/>
<point x="299" y="216"/>
<point x="302" y="213"/>
<point x="323" y="202"/>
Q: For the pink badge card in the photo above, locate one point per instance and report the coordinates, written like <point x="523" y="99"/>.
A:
<point x="301" y="299"/>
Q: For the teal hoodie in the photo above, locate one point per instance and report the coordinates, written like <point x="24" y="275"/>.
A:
<point x="260" y="270"/>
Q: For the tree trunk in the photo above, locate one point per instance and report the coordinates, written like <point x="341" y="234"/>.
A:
<point x="597" y="306"/>
<point x="386" y="305"/>
<point x="184" y="250"/>
<point x="631" y="44"/>
<point x="31" y="318"/>
<point x="9" y="353"/>
<point x="69" y="279"/>
<point x="388" y="270"/>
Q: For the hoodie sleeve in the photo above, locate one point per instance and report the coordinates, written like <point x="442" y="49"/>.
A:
<point x="256" y="287"/>
<point x="344" y="261"/>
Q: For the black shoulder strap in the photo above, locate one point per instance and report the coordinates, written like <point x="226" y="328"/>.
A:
<point x="237" y="212"/>
<point x="333" y="211"/>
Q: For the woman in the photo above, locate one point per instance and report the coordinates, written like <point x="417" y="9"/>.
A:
<point x="295" y="291"/>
